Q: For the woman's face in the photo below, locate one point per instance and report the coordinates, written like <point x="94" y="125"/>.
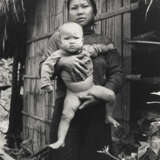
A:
<point x="81" y="12"/>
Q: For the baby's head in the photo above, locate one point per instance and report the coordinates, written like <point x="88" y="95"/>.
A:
<point x="71" y="37"/>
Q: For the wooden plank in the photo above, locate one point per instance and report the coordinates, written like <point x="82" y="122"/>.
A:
<point x="99" y="11"/>
<point x="118" y="28"/>
<point x="44" y="17"/>
<point x="30" y="22"/>
<point x="103" y="22"/>
<point x="65" y="12"/>
<point x="41" y="17"/>
<point x="39" y="50"/>
<point x="30" y="50"/>
<point x="30" y="77"/>
<point x="58" y="18"/>
<point x="117" y="39"/>
<point x="125" y="9"/>
<point x="47" y="135"/>
<point x="59" y="8"/>
<point x="143" y="42"/>
<point x="110" y="21"/>
<point x="40" y="37"/>
<point x="32" y="116"/>
<point x="126" y="61"/>
<point x="52" y="14"/>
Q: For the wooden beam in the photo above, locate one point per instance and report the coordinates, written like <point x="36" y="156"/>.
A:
<point x="143" y="42"/>
<point x="36" y="117"/>
<point x="139" y="77"/>
<point x="30" y="77"/>
<point x="127" y="59"/>
<point x="40" y="37"/>
<point x="120" y="11"/>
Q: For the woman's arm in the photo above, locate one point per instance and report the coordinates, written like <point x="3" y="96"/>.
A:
<point x="114" y="71"/>
<point x="72" y="64"/>
<point x="97" y="49"/>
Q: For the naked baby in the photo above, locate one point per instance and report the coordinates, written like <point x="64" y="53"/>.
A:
<point x="71" y="43"/>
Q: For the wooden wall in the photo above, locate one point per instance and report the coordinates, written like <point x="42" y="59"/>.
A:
<point x="113" y="20"/>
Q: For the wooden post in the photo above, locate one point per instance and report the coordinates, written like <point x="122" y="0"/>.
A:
<point x="126" y="60"/>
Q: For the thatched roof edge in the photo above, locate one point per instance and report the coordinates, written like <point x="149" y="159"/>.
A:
<point x="12" y="13"/>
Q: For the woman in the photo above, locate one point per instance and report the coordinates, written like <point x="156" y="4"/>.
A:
<point x="88" y="132"/>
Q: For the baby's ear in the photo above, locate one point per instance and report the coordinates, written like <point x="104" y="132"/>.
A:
<point x="59" y="42"/>
<point x="82" y="40"/>
<point x="58" y="38"/>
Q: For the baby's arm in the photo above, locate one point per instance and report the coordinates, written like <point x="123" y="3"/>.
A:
<point x="102" y="48"/>
<point x="98" y="49"/>
<point x="48" y="70"/>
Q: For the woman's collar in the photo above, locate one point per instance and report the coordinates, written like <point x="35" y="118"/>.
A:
<point x="88" y="30"/>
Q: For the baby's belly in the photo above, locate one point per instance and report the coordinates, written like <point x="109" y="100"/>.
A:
<point x="80" y="86"/>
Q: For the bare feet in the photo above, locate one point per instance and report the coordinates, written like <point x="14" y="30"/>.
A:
<point x="111" y="120"/>
<point x="57" y="145"/>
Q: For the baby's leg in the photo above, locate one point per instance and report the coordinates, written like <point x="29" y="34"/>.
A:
<point x="107" y="95"/>
<point x="109" y="116"/>
<point x="103" y="93"/>
<point x="71" y="104"/>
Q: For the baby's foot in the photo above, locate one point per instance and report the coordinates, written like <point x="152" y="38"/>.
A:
<point x="113" y="121"/>
<point x="57" y="145"/>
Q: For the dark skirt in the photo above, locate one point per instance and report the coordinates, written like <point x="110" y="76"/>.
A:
<point x="87" y="134"/>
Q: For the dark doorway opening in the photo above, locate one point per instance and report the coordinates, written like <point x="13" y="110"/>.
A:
<point x="146" y="64"/>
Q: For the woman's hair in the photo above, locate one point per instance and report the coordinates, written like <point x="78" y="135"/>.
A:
<point x="93" y="3"/>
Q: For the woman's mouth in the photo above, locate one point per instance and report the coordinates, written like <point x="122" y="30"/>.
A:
<point x="81" y="19"/>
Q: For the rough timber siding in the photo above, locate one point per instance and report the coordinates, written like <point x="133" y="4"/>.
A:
<point x="43" y="20"/>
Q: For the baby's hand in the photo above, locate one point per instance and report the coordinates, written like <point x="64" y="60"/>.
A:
<point x="48" y="88"/>
<point x="86" y="101"/>
<point x="100" y="48"/>
<point x="110" y="119"/>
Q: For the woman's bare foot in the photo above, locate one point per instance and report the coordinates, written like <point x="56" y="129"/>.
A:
<point x="57" y="145"/>
<point x="111" y="120"/>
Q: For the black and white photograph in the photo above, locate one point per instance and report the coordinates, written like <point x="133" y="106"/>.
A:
<point x="79" y="79"/>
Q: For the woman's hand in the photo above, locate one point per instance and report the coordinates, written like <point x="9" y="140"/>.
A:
<point x="73" y="64"/>
<point x="87" y="100"/>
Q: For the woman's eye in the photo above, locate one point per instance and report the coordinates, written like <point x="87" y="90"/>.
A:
<point x="73" y="8"/>
<point x="67" y="38"/>
<point x="85" y="6"/>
